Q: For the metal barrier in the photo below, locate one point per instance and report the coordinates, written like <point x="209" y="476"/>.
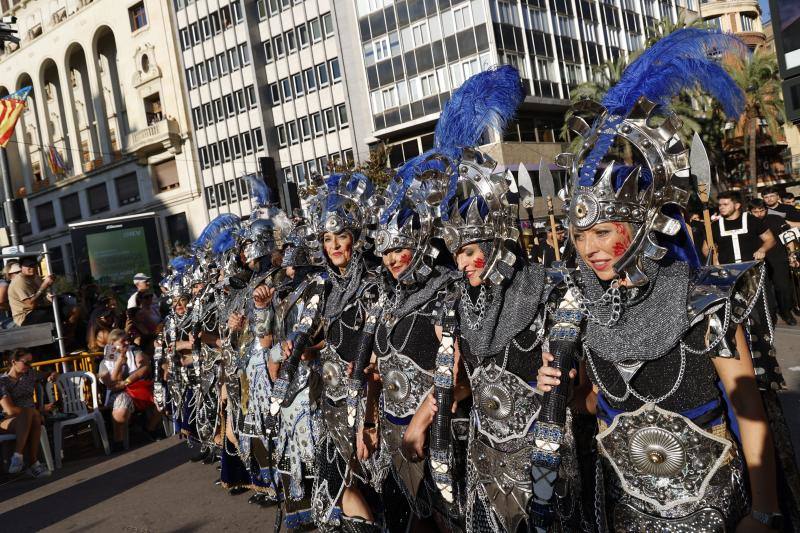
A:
<point x="81" y="361"/>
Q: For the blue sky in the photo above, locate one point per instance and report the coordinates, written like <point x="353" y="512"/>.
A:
<point x="765" y="16"/>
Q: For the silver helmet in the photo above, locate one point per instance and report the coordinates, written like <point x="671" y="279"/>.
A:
<point x="259" y="237"/>
<point x="482" y="211"/>
<point x="409" y="215"/>
<point x="632" y="166"/>
<point x="342" y="202"/>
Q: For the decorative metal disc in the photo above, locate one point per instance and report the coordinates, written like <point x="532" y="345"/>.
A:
<point x="330" y="374"/>
<point x="584" y="211"/>
<point x="656" y="452"/>
<point x="395" y="383"/>
<point x="496" y="401"/>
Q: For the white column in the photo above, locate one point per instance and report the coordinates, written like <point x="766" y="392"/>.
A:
<point x="73" y="144"/>
<point x="44" y="128"/>
<point x="98" y="102"/>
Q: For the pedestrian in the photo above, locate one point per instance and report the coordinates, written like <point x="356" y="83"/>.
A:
<point x="142" y="283"/>
<point x="772" y="197"/>
<point x="781" y="291"/>
<point x="787" y="198"/>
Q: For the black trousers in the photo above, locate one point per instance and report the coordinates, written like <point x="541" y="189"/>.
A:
<point x="781" y="293"/>
<point x="39" y="316"/>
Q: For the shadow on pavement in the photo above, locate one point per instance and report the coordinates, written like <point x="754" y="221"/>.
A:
<point x="68" y="502"/>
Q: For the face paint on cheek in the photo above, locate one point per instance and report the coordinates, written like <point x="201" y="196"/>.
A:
<point x="625" y="239"/>
<point x="480" y="262"/>
<point x="405" y="258"/>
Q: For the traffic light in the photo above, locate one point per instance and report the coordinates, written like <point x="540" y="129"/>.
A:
<point x="8" y="31"/>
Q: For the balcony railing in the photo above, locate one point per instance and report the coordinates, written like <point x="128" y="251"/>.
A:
<point x="158" y="137"/>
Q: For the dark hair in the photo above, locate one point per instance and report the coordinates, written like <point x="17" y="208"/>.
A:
<point x="757" y="203"/>
<point x="734" y="196"/>
<point x="769" y="190"/>
<point x="787" y="194"/>
<point x="18" y="354"/>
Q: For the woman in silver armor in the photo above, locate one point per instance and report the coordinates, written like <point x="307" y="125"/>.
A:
<point x="663" y="344"/>
<point x="414" y="282"/>
<point x="341" y="211"/>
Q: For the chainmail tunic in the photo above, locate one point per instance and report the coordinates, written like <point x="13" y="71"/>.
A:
<point x="510" y="308"/>
<point x="653" y="319"/>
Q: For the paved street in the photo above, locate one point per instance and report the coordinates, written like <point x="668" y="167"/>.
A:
<point x="154" y="488"/>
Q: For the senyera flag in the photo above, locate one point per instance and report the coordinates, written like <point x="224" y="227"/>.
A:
<point x="10" y="108"/>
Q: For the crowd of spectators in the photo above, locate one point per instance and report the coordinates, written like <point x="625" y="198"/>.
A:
<point x="120" y="339"/>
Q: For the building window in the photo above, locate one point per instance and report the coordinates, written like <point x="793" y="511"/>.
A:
<point x="70" y="208"/>
<point x="746" y="22"/>
<point x="293" y="137"/>
<point x="305" y="128"/>
<point x="46" y="216"/>
<point x="302" y="35"/>
<point x="258" y="138"/>
<point x="316" y="120"/>
<point x="275" y="94"/>
<point x="247" y="142"/>
<point x="279" y="49"/>
<point x="322" y="75"/>
<point x="268" y="58"/>
<point x="98" y="199"/>
<point x="166" y="176"/>
<point x="327" y="24"/>
<point x="241" y="105"/>
<point x="252" y="102"/>
<point x="462" y="17"/>
<point x="311" y="81"/>
<point x="281" y="136"/>
<point x="336" y="72"/>
<point x="230" y="108"/>
<point x="316" y="30"/>
<point x="236" y="147"/>
<point x="330" y="120"/>
<point x="291" y="44"/>
<point x="222" y="62"/>
<point x="286" y="87"/>
<point x="244" y="54"/>
<point x="341" y="112"/>
<point x="127" y="189"/>
<point x="420" y="34"/>
<point x="138" y="16"/>
<point x="297" y="81"/>
<point x="380" y="49"/>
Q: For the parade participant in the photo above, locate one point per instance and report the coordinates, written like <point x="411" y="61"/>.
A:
<point x="500" y="312"/>
<point x="300" y="418"/>
<point x="668" y="458"/>
<point x="781" y="291"/>
<point x="415" y="280"/>
<point x="261" y="238"/>
<point x="341" y="209"/>
<point x="772" y="198"/>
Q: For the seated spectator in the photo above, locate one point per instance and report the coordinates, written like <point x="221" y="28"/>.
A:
<point x="11" y="270"/>
<point x="20" y="416"/>
<point x="126" y="372"/>
<point x="27" y="295"/>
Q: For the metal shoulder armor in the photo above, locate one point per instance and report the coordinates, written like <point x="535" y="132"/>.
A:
<point x="724" y="295"/>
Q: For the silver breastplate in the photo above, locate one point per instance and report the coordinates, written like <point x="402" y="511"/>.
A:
<point x="662" y="458"/>
<point x="405" y="384"/>
<point x="334" y="374"/>
<point x="505" y="405"/>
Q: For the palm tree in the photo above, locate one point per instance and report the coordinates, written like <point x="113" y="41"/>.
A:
<point x="758" y="75"/>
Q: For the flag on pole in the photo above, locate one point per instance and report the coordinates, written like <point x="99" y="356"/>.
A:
<point x="10" y="108"/>
<point x="57" y="164"/>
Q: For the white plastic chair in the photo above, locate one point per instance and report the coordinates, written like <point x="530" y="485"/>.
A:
<point x="44" y="445"/>
<point x="70" y="391"/>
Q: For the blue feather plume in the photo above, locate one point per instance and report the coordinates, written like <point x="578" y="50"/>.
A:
<point x="181" y="263"/>
<point x="261" y="192"/>
<point x="210" y="232"/>
<point x="488" y="99"/>
<point x="680" y="61"/>
<point x="224" y="241"/>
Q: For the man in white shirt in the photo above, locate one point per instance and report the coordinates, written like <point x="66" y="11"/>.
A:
<point x="142" y="283"/>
